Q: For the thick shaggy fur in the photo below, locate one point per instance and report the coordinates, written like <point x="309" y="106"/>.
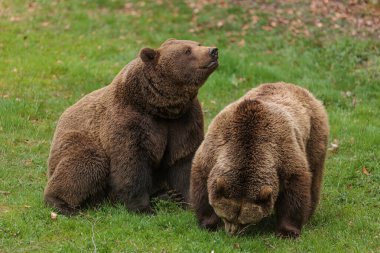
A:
<point x="265" y="151"/>
<point x="135" y="136"/>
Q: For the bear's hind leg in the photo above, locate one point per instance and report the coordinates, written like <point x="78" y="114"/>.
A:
<point x="316" y="153"/>
<point x="293" y="205"/>
<point x="79" y="176"/>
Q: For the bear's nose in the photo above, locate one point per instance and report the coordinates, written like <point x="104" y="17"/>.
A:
<point x="213" y="52"/>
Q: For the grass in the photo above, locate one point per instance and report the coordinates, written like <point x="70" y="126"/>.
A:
<point x="54" y="52"/>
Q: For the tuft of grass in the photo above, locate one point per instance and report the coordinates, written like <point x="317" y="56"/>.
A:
<point x="54" y="52"/>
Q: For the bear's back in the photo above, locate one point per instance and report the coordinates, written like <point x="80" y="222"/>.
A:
<point x="293" y="102"/>
<point x="85" y="114"/>
<point x="289" y="110"/>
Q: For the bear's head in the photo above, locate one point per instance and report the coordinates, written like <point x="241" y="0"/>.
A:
<point x="239" y="202"/>
<point x="181" y="62"/>
<point x="170" y="76"/>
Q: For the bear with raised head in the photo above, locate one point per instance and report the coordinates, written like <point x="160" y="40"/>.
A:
<point x="264" y="152"/>
<point x="134" y="137"/>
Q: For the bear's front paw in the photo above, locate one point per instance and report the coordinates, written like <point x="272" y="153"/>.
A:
<point x="61" y="206"/>
<point x="148" y="210"/>
<point x="288" y="231"/>
<point x="210" y="223"/>
<point x="140" y="204"/>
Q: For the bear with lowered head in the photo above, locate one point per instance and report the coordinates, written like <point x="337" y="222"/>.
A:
<point x="134" y="137"/>
<point x="263" y="153"/>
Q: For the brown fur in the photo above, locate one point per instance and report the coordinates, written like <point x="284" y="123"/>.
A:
<point x="129" y="139"/>
<point x="265" y="151"/>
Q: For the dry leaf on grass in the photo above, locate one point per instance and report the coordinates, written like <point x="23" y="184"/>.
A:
<point x="241" y="43"/>
<point x="365" y="171"/>
<point x="220" y="23"/>
<point x="334" y="146"/>
<point x="53" y="215"/>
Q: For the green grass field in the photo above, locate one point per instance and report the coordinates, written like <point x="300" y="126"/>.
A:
<point x="54" y="52"/>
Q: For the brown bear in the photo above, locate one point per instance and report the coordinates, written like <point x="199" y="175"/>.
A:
<point x="139" y="134"/>
<point x="265" y="151"/>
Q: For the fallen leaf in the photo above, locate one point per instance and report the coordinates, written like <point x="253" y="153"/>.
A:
<point x="27" y="206"/>
<point x="334" y="146"/>
<point x="365" y="171"/>
<point x="15" y="19"/>
<point x="53" y="215"/>
<point x="346" y="94"/>
<point x="255" y="19"/>
<point x="241" y="43"/>
<point x="354" y="102"/>
<point x="241" y="79"/>
<point x="245" y="27"/>
<point x="220" y="23"/>
<point x="267" y="28"/>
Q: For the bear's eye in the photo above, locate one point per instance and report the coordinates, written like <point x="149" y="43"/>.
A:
<point x="188" y="51"/>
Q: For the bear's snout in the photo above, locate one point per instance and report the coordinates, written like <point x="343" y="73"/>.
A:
<point x="213" y="52"/>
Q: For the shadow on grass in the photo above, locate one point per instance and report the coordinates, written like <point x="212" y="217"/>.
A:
<point x="162" y="206"/>
<point x="265" y="227"/>
<point x="268" y="226"/>
<point x="159" y="206"/>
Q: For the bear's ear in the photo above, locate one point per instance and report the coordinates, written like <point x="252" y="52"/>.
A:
<point x="220" y="185"/>
<point x="147" y="54"/>
<point x="265" y="193"/>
